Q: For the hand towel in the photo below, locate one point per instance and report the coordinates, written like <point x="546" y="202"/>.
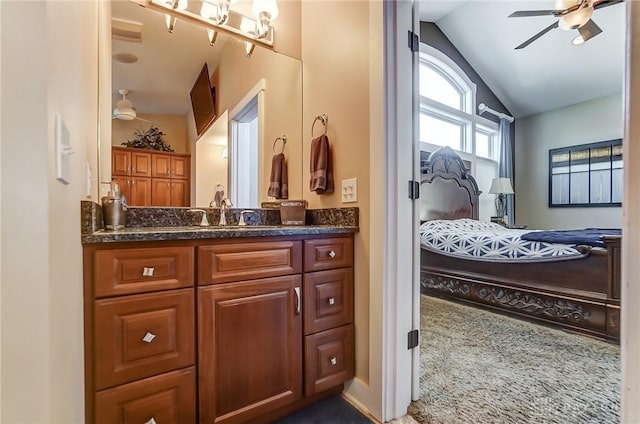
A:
<point x="321" y="180"/>
<point x="278" y="183"/>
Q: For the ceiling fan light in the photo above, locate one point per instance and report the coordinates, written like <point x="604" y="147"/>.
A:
<point x="125" y="114"/>
<point x="577" y="41"/>
<point x="575" y="19"/>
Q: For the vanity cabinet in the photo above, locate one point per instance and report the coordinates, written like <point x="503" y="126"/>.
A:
<point x="151" y="178"/>
<point x="328" y="313"/>
<point x="221" y="330"/>
<point x="140" y="362"/>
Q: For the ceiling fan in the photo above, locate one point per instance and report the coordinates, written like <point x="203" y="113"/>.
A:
<point x="124" y="109"/>
<point x="573" y="14"/>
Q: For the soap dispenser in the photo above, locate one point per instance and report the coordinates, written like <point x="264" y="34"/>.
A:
<point x="114" y="208"/>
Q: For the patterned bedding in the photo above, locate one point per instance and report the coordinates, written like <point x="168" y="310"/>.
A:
<point x="488" y="241"/>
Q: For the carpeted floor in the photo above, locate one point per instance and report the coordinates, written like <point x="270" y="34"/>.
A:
<point x="482" y="367"/>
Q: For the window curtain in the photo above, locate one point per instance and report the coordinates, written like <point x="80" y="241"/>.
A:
<point x="505" y="169"/>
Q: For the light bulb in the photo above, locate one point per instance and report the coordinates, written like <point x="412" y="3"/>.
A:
<point x="266" y="11"/>
<point x="213" y="35"/>
<point x="577" y="41"/>
<point x="170" y="21"/>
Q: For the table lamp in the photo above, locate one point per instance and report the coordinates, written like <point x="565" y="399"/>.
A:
<point x="501" y="186"/>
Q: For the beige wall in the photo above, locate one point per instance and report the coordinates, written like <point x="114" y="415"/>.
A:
<point x="587" y="122"/>
<point x="337" y="73"/>
<point x="42" y="333"/>
<point x="283" y="105"/>
<point x="174" y="126"/>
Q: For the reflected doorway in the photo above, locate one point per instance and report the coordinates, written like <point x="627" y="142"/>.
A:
<point x="243" y="160"/>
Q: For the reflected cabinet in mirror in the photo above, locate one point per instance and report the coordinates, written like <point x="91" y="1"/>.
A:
<point x="254" y="100"/>
<point x="586" y="175"/>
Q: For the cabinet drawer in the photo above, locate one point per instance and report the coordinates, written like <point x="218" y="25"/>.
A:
<point x="167" y="399"/>
<point x="224" y="263"/>
<point x="328" y="299"/>
<point x="328" y="253"/>
<point x="330" y="359"/>
<point x="128" y="271"/>
<point x="142" y="335"/>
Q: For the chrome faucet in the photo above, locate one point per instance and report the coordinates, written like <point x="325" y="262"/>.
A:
<point x="204" y="222"/>
<point x="224" y="205"/>
<point x="241" y="221"/>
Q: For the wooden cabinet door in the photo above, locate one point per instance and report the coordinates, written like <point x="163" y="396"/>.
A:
<point x="120" y="161"/>
<point x="140" y="164"/>
<point x="179" y="193"/>
<point x="249" y="348"/>
<point x="140" y="192"/>
<point x="160" y="192"/>
<point x="180" y="167"/>
<point x="161" y="166"/>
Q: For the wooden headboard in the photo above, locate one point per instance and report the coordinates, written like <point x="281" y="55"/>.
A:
<point x="447" y="190"/>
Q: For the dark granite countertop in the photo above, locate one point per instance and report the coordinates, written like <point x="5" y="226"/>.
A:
<point x="181" y="223"/>
<point x="211" y="232"/>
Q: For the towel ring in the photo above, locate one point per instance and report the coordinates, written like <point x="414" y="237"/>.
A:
<point x="284" y="143"/>
<point x="325" y="121"/>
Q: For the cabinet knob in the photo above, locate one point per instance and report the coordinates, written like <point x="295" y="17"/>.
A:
<point x="332" y="254"/>
<point x="147" y="271"/>
<point x="333" y="360"/>
<point x="148" y="338"/>
<point x="151" y="421"/>
<point x="332" y="301"/>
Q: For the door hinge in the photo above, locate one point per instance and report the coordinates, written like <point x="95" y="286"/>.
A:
<point x="414" y="41"/>
<point x="412" y="339"/>
<point x="414" y="189"/>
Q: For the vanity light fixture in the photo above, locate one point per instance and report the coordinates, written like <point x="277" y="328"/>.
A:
<point x="216" y="17"/>
<point x="266" y="11"/>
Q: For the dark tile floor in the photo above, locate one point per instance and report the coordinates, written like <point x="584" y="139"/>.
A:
<point x="334" y="410"/>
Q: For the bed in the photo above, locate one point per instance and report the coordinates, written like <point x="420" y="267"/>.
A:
<point x="579" y="291"/>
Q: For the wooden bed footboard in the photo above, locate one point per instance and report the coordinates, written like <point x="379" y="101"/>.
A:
<point x="581" y="294"/>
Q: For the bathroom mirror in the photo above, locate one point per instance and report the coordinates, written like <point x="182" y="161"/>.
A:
<point x="258" y="99"/>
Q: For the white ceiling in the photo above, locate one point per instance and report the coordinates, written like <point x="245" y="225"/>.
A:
<point x="168" y="64"/>
<point x="548" y="74"/>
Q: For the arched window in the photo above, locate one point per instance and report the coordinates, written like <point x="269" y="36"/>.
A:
<point x="448" y="118"/>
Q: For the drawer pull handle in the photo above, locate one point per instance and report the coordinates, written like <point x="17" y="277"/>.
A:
<point x="332" y="301"/>
<point x="151" y="421"/>
<point x="298" y="303"/>
<point x="147" y="271"/>
<point x="333" y="360"/>
<point x="148" y="338"/>
<point x="332" y="254"/>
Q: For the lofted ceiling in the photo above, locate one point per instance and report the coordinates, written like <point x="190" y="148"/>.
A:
<point x="548" y="74"/>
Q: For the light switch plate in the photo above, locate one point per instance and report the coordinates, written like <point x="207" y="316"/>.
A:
<point x="63" y="151"/>
<point x="350" y="190"/>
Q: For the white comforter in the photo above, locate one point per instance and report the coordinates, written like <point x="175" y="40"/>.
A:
<point x="471" y="239"/>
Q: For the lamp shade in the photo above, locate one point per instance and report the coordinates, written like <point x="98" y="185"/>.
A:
<point x="268" y="6"/>
<point x="501" y="186"/>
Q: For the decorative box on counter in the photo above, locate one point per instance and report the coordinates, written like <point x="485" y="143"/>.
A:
<point x="293" y="212"/>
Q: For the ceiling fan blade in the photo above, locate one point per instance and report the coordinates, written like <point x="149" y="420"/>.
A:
<point x="146" y="120"/>
<point x="605" y="3"/>
<point x="589" y="30"/>
<point x="526" y="13"/>
<point x="538" y="35"/>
